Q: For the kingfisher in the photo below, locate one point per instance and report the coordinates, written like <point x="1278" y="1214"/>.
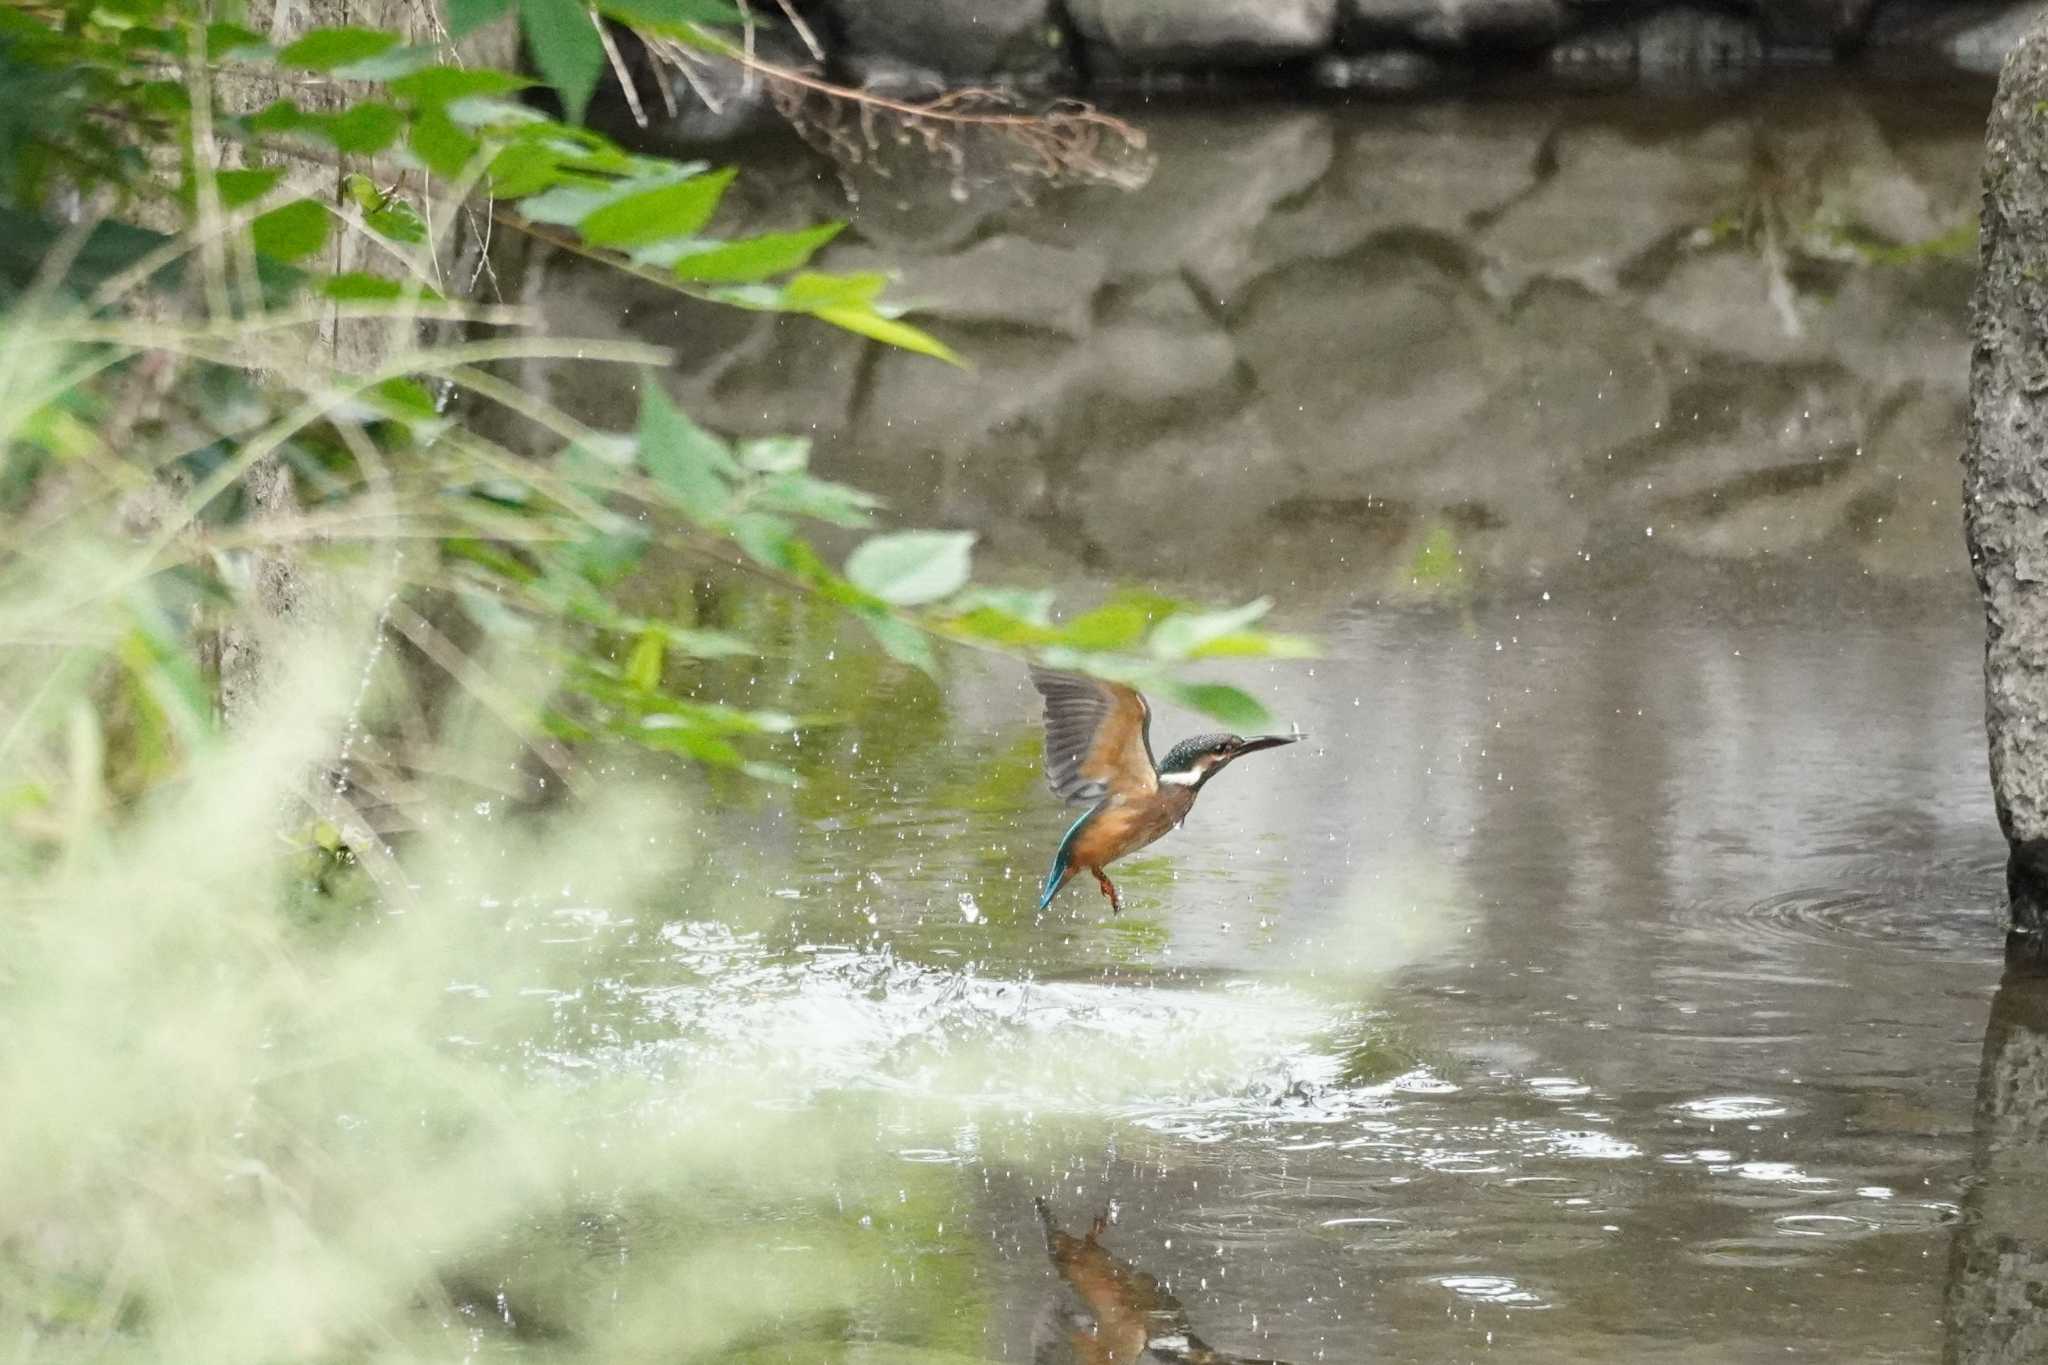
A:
<point x="1098" y="749"/>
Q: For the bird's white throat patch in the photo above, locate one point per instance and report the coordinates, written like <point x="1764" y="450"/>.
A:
<point x="1186" y="779"/>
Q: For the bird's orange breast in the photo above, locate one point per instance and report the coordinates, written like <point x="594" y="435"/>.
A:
<point x="1126" y="824"/>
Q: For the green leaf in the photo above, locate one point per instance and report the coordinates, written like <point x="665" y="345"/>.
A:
<point x="650" y="652"/>
<point x="440" y="146"/>
<point x="465" y="16"/>
<point x="355" y="286"/>
<point x="1000" y="627"/>
<point x="233" y="43"/>
<point x="291" y="232"/>
<point x="869" y="323"/>
<point x="1117" y="624"/>
<point x="568" y="205"/>
<point x="771" y="772"/>
<point x="398" y="221"/>
<point x="366" y="128"/>
<point x="813" y="290"/>
<point x="237" y="188"/>
<point x="388" y="65"/>
<point x="1237" y="709"/>
<point x="766" y="539"/>
<point x="654" y="215"/>
<point x="605" y="557"/>
<point x="404" y="398"/>
<point x="708" y="644"/>
<point x="1033" y="605"/>
<point x="902" y="642"/>
<point x="524" y="168"/>
<point x="910" y="568"/>
<point x="1257" y="644"/>
<point x="819" y="499"/>
<point x="673" y="11"/>
<point x="755" y="258"/>
<point x="326" y="48"/>
<point x="565" y="47"/>
<point x="776" y="454"/>
<point x="384" y="213"/>
<point x="1181" y="634"/>
<point x="440" y="84"/>
<point x="488" y="111"/>
<point x="685" y="460"/>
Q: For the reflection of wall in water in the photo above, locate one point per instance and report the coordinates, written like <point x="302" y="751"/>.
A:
<point x="1319" y="336"/>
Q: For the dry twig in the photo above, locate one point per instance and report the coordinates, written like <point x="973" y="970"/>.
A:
<point x="1068" y="141"/>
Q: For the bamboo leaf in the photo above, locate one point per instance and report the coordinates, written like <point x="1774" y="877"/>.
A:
<point x="869" y="323"/>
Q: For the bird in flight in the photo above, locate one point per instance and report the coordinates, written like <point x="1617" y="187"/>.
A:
<point x="1098" y="749"/>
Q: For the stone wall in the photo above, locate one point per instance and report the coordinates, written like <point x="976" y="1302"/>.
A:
<point x="1392" y="44"/>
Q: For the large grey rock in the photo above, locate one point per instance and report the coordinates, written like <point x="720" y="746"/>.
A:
<point x="1205" y="32"/>
<point x="2005" y="473"/>
<point x="972" y="39"/>
<point x="1457" y="24"/>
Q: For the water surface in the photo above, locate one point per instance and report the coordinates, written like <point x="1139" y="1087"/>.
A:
<point x="1609" y="976"/>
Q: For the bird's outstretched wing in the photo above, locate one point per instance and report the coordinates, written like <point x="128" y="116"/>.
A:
<point x="1098" y="737"/>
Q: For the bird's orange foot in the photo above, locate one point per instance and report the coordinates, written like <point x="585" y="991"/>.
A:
<point x="1116" y="905"/>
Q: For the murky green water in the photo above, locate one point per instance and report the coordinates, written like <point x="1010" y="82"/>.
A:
<point x="1608" y="977"/>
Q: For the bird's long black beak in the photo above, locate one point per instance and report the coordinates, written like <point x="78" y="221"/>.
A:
<point x="1270" y="741"/>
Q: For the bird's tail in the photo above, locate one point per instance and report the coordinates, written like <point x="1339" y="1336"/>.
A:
<point x="1054" y="880"/>
<point x="1063" y="861"/>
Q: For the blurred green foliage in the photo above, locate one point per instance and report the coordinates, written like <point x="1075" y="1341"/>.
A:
<point x="319" y="676"/>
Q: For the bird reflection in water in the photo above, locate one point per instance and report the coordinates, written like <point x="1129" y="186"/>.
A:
<point x="1112" y="1313"/>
